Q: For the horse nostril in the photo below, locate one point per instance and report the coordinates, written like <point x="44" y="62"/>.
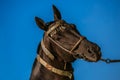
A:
<point x="89" y="50"/>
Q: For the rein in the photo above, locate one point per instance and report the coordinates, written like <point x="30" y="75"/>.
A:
<point x="109" y="60"/>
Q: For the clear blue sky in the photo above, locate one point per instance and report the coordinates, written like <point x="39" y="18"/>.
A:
<point x="98" y="20"/>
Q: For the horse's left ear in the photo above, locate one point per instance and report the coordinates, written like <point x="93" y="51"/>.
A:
<point x="57" y="15"/>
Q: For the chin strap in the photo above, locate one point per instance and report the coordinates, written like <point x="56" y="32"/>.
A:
<point x="109" y="60"/>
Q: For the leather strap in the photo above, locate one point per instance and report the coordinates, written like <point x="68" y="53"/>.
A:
<point x="81" y="38"/>
<point x="46" y="51"/>
<point x="54" y="26"/>
<point x="53" y="69"/>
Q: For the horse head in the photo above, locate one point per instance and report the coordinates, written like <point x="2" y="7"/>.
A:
<point x="66" y="40"/>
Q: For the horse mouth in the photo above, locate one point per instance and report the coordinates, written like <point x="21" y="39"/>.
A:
<point x="95" y="57"/>
<point x="92" y="57"/>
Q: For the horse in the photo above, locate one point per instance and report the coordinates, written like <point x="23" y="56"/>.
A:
<point x="62" y="44"/>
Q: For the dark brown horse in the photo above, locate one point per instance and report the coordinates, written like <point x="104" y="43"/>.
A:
<point x="61" y="45"/>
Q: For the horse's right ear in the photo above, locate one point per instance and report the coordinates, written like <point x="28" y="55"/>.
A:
<point x="40" y="23"/>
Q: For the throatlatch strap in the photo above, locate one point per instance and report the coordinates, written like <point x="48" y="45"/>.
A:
<point x="53" y="69"/>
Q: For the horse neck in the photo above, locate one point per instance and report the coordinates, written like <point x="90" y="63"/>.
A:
<point x="58" y="62"/>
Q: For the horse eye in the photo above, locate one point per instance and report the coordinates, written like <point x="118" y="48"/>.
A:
<point x="89" y="51"/>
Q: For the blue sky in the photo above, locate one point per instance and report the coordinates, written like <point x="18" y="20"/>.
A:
<point x="98" y="20"/>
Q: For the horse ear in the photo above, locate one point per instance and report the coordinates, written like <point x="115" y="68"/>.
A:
<point x="57" y="15"/>
<point x="40" y="23"/>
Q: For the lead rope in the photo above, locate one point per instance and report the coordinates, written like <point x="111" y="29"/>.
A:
<point x="109" y="60"/>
